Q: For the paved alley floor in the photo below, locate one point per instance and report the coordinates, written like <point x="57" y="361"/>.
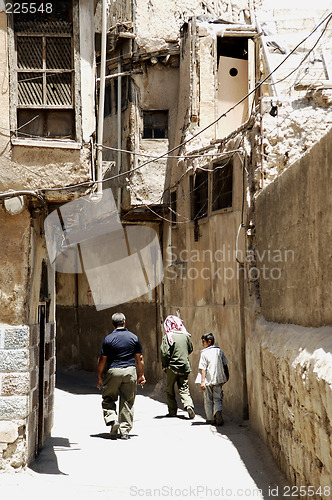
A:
<point x="164" y="458"/>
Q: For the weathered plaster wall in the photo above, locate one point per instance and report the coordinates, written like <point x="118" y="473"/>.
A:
<point x="81" y="328"/>
<point x="203" y="283"/>
<point x="289" y="356"/>
<point x="26" y="384"/>
<point x="155" y="88"/>
<point x="30" y="167"/>
<point x="23" y="422"/>
<point x="80" y="332"/>
<point x="293" y="221"/>
<point x="14" y="266"/>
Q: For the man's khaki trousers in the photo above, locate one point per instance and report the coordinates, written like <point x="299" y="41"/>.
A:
<point x="120" y="382"/>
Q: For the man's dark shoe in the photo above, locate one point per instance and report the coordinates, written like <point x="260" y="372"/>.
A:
<point x="191" y="412"/>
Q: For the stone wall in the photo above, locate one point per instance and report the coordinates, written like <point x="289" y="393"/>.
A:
<point x="289" y="350"/>
<point x="290" y="382"/>
<point x="16" y="374"/>
<point x="26" y="416"/>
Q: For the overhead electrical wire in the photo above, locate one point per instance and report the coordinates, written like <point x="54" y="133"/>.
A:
<point x="327" y="19"/>
<point x="121" y="174"/>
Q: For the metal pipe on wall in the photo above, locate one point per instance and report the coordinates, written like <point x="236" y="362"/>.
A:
<point x="119" y="129"/>
<point x="101" y="98"/>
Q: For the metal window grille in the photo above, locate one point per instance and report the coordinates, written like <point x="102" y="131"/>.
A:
<point x="222" y="185"/>
<point x="155" y="125"/>
<point x="44" y="70"/>
<point x="199" y="195"/>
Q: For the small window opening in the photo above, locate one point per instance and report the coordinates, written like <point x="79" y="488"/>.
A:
<point x="222" y="185"/>
<point x="108" y="101"/>
<point x="199" y="195"/>
<point x="155" y="124"/>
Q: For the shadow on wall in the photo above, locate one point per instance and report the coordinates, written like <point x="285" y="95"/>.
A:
<point x="76" y="382"/>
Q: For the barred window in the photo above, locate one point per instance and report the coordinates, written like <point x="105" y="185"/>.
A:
<point x="45" y="72"/>
<point x="222" y="185"/>
<point x="199" y="195"/>
<point x="155" y="124"/>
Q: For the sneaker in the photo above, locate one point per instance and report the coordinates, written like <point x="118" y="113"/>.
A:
<point x="114" y="430"/>
<point x="191" y="412"/>
<point x="219" y="419"/>
<point x="211" y="422"/>
<point x="124" y="437"/>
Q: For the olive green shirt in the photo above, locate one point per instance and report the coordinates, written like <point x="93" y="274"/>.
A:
<point x="176" y="356"/>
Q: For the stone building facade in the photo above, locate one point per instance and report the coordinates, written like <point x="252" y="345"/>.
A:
<point x="220" y="156"/>
<point x="46" y="126"/>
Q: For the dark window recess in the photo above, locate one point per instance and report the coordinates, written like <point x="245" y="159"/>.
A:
<point x="155" y="124"/>
<point x="173" y="207"/>
<point x="235" y="47"/>
<point x="124" y="92"/>
<point x="108" y="101"/>
<point x="44" y="294"/>
<point x="199" y="195"/>
<point x="45" y="72"/>
<point x="58" y="124"/>
<point x="222" y="185"/>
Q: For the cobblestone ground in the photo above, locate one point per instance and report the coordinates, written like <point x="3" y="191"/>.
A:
<point x="164" y="458"/>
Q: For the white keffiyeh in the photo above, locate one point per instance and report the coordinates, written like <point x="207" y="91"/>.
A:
<point x="173" y="324"/>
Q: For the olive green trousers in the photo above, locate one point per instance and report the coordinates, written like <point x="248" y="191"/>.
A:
<point x="181" y="380"/>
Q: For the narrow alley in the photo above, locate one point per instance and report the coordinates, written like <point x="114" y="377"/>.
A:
<point x="173" y="458"/>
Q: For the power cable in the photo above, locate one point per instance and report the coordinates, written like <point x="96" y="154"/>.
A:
<point x="90" y="183"/>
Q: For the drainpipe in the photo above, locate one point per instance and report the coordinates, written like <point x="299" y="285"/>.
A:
<point x="101" y="99"/>
<point x="119" y="130"/>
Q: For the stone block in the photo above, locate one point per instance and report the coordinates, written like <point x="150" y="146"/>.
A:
<point x="50" y="350"/>
<point x="33" y="378"/>
<point x="13" y="407"/>
<point x="34" y="335"/>
<point x="34" y="399"/>
<point x="14" y="360"/>
<point x="16" y="337"/>
<point x="8" y="432"/>
<point x="34" y="357"/>
<point x="15" y="384"/>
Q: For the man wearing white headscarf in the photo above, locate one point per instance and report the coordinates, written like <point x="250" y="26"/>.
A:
<point x="175" y="349"/>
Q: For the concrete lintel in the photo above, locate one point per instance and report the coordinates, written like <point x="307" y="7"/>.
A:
<point x="46" y="144"/>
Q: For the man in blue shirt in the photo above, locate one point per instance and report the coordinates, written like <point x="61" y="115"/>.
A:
<point x="121" y="352"/>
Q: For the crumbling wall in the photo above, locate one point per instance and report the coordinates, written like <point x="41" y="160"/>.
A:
<point x="296" y="128"/>
<point x="296" y="100"/>
<point x="157" y="23"/>
<point x="289" y="352"/>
